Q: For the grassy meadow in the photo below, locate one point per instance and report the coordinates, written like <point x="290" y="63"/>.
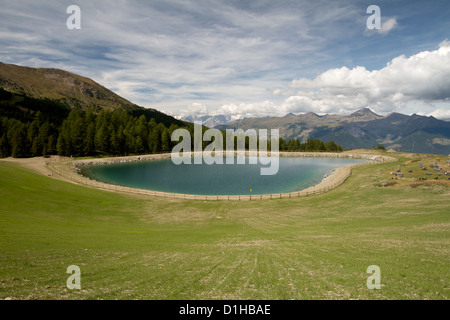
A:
<point x="319" y="247"/>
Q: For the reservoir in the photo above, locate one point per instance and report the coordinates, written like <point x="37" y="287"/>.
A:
<point x="295" y="174"/>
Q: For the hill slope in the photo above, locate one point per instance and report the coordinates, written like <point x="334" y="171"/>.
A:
<point x="55" y="84"/>
<point x="68" y="90"/>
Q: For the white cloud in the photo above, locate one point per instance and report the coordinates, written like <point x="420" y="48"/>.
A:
<point x="441" y="113"/>
<point x="169" y="54"/>
<point x="248" y="110"/>
<point x="422" y="77"/>
<point x="231" y="57"/>
<point x="388" y="25"/>
<point x="418" y="84"/>
<point x="198" y="109"/>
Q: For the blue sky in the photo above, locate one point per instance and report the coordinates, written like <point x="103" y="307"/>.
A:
<point x="244" y="58"/>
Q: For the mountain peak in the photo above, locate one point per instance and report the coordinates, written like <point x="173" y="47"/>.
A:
<point x="312" y="114"/>
<point x="365" y="114"/>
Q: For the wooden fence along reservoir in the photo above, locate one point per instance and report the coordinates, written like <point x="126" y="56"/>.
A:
<point x="243" y="186"/>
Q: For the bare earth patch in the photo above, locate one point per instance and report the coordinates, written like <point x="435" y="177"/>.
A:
<point x="36" y="164"/>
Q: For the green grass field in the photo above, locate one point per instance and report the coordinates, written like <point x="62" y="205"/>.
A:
<point x="134" y="247"/>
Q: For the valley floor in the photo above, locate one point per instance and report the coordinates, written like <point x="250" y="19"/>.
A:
<point x="143" y="247"/>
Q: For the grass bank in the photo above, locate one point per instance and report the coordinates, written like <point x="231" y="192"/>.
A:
<point x="136" y="247"/>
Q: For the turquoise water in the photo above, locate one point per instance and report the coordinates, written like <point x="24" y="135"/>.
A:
<point x="295" y="174"/>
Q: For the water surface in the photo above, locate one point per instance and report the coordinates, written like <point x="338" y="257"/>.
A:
<point x="295" y="174"/>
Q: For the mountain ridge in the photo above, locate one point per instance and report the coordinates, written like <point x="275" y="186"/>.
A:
<point x="57" y="84"/>
<point x="361" y="129"/>
<point x="71" y="90"/>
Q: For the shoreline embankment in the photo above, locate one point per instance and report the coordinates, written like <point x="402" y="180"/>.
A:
<point x="68" y="169"/>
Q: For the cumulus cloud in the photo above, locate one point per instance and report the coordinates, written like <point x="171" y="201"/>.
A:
<point x="441" y="113"/>
<point x="416" y="84"/>
<point x="235" y="57"/>
<point x="198" y="109"/>
<point x="249" y="110"/>
<point x="422" y="77"/>
<point x="169" y="54"/>
<point x="388" y="25"/>
<point x="194" y="109"/>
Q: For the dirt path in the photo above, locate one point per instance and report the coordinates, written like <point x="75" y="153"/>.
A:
<point x="63" y="169"/>
<point x="39" y="165"/>
<point x="36" y="164"/>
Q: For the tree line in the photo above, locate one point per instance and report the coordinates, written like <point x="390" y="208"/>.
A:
<point x="316" y="145"/>
<point x="87" y="133"/>
<point x="84" y="133"/>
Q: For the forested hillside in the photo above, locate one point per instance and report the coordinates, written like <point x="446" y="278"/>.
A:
<point x="39" y="127"/>
<point x="54" y="112"/>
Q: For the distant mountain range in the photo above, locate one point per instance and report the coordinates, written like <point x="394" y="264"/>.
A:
<point x="210" y="121"/>
<point x="26" y="90"/>
<point x="31" y="86"/>
<point x="362" y="129"/>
